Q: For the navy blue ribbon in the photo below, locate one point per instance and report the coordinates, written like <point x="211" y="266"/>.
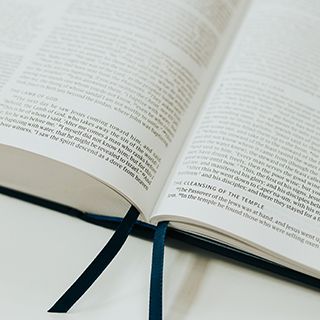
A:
<point x="156" y="280"/>
<point x="98" y="265"/>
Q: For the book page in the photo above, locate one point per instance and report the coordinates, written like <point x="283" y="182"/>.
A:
<point x="108" y="87"/>
<point x="251" y="166"/>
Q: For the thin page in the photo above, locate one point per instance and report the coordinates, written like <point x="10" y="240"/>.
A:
<point x="108" y="87"/>
<point x="250" y="169"/>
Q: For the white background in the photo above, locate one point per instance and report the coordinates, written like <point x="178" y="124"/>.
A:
<point x="42" y="252"/>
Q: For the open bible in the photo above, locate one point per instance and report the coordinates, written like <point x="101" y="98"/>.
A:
<point x="201" y="113"/>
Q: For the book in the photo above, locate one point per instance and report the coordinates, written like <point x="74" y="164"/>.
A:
<point x="199" y="113"/>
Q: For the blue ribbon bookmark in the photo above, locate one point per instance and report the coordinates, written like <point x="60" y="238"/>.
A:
<point x="98" y="265"/>
<point x="155" y="302"/>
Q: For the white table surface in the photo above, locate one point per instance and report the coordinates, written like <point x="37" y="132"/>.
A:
<point x="42" y="252"/>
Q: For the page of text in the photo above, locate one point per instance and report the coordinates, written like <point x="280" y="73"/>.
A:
<point x="109" y="87"/>
<point x="251" y="167"/>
